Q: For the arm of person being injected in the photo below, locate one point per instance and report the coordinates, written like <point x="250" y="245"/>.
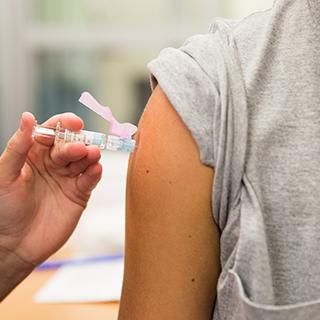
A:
<point x="172" y="243"/>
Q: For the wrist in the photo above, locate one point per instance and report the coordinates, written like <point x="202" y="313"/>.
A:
<point x="13" y="270"/>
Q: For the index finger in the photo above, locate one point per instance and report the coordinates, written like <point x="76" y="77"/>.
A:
<point x="67" y="120"/>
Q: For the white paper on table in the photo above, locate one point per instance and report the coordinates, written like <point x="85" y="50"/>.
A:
<point x="92" y="282"/>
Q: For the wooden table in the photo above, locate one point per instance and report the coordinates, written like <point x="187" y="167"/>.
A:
<point x="19" y="305"/>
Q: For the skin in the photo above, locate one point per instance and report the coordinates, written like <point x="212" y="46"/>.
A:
<point x="43" y="192"/>
<point x="172" y="243"/>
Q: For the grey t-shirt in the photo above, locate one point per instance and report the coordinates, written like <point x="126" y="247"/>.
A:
<point x="249" y="93"/>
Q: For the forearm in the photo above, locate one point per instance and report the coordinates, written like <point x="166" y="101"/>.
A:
<point x="13" y="270"/>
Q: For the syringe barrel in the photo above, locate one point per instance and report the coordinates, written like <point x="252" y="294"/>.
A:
<point x="115" y="143"/>
<point x="83" y="136"/>
<point x="101" y="140"/>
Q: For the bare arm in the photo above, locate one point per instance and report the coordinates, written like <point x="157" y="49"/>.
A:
<point x="172" y="243"/>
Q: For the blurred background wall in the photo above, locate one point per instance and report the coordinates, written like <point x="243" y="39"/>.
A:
<point x="52" y="50"/>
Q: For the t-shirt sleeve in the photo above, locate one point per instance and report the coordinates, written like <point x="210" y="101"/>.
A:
<point x="183" y="75"/>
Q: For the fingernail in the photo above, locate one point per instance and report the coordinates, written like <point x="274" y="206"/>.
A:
<point x="22" y="124"/>
<point x="26" y="116"/>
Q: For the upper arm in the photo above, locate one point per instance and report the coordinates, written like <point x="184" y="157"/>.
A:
<point x="172" y="242"/>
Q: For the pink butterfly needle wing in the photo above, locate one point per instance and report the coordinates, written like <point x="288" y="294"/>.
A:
<point x="125" y="130"/>
<point x="89" y="101"/>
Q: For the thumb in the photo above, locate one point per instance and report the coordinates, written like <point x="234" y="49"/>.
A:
<point x="16" y="152"/>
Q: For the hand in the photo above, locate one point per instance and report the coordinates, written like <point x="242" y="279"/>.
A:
<point x="43" y="191"/>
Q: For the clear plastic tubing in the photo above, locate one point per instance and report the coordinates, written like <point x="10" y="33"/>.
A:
<point x="101" y="140"/>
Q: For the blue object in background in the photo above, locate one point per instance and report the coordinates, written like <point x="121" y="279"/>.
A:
<point x="48" y="265"/>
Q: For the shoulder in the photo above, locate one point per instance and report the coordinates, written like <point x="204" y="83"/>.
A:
<point x="246" y="33"/>
<point x="245" y="28"/>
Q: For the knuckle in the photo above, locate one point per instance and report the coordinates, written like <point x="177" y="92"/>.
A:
<point x="57" y="155"/>
<point x="12" y="146"/>
<point x="68" y="114"/>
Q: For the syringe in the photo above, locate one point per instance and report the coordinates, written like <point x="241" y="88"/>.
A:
<point x="103" y="141"/>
